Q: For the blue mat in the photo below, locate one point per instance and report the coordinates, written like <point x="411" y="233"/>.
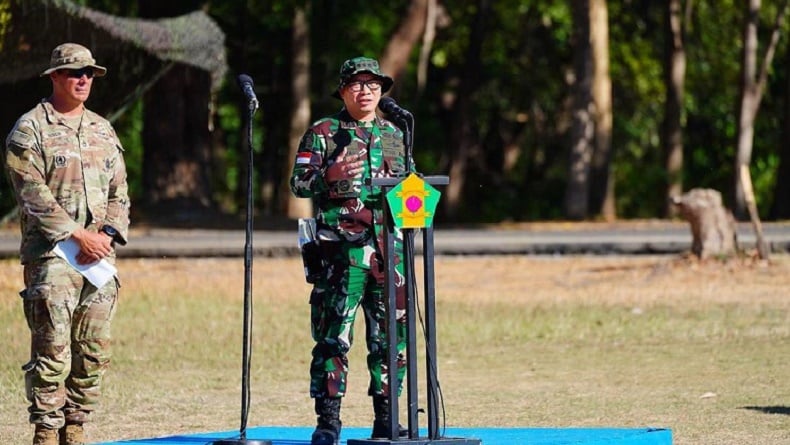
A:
<point x="488" y="436"/>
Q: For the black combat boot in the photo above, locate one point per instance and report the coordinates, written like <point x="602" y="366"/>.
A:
<point x="327" y="430"/>
<point x="381" y="424"/>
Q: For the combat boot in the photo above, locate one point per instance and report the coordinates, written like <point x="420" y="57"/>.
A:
<point x="327" y="430"/>
<point x="45" y="436"/>
<point x="381" y="422"/>
<point x="72" y="434"/>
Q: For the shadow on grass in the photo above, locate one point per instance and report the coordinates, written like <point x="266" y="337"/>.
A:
<point x="770" y="409"/>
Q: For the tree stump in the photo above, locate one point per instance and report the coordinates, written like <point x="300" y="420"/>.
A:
<point x="712" y="225"/>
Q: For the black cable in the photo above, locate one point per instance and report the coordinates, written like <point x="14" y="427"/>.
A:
<point x="434" y="393"/>
<point x="432" y="370"/>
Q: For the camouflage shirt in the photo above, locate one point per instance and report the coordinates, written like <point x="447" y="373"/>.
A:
<point x="348" y="212"/>
<point x="66" y="174"/>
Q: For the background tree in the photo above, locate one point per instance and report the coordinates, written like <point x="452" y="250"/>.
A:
<point x="753" y="84"/>
<point x="177" y="145"/>
<point x="400" y="46"/>
<point x="674" y="78"/>
<point x="583" y="129"/>
<point x="490" y="83"/>
<point x="463" y="137"/>
<point x="781" y="192"/>
<point x="300" y="109"/>
<point x="602" y="187"/>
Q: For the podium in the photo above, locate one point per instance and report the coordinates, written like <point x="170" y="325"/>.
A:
<point x="413" y="197"/>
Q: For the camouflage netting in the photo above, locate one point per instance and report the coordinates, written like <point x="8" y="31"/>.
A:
<point x="135" y="51"/>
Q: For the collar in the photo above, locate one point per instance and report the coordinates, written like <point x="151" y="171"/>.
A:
<point x="53" y="116"/>
<point x="348" y="122"/>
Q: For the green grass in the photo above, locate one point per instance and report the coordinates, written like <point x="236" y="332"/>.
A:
<point x="703" y="349"/>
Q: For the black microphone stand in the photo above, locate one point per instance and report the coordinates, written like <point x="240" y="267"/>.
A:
<point x="252" y="105"/>
<point x="408" y="138"/>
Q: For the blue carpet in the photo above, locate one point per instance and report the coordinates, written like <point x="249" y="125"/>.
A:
<point x="488" y="436"/>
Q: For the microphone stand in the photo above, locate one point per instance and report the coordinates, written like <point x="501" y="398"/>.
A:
<point x="408" y="138"/>
<point x="246" y="337"/>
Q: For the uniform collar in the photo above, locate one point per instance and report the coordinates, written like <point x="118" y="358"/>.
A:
<point x="348" y="122"/>
<point x="54" y="117"/>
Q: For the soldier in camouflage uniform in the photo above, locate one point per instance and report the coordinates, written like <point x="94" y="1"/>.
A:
<point x="66" y="166"/>
<point x="335" y="156"/>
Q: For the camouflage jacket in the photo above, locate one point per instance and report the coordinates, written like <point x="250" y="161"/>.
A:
<point x="353" y="212"/>
<point x="65" y="176"/>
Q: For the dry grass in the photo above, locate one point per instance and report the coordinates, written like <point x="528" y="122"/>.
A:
<point x="523" y="341"/>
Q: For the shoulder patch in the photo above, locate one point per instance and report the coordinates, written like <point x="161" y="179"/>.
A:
<point x="307" y="140"/>
<point x="21" y="139"/>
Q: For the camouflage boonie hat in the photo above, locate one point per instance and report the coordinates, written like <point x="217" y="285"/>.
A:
<point x="357" y="65"/>
<point x="73" y="56"/>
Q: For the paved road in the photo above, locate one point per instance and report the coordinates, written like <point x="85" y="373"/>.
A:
<point x="534" y="239"/>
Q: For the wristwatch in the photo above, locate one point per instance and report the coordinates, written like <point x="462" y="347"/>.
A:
<point x="110" y="230"/>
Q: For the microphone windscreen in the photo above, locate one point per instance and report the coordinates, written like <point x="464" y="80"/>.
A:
<point x="387" y="104"/>
<point x="243" y="78"/>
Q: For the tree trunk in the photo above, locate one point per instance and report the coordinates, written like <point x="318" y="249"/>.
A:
<point x="781" y="205"/>
<point x="177" y="139"/>
<point x="400" y="46"/>
<point x="300" y="114"/>
<point x="461" y="138"/>
<point x="752" y="87"/>
<point x="674" y="79"/>
<point x="428" y="36"/>
<point x="748" y="192"/>
<point x="602" y="200"/>
<point x="712" y="225"/>
<point x="177" y="143"/>
<point x="747" y="105"/>
<point x="582" y="127"/>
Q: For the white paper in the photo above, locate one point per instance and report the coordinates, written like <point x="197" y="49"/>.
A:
<point x="98" y="273"/>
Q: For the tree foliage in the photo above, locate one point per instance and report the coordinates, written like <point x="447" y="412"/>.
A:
<point x="518" y="109"/>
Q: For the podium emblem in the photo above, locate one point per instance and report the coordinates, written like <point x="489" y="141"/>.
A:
<point x="413" y="203"/>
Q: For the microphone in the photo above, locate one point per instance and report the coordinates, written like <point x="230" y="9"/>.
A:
<point x="388" y="105"/>
<point x="245" y="83"/>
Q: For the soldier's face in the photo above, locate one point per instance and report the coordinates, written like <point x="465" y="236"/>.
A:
<point x="73" y="85"/>
<point x="360" y="98"/>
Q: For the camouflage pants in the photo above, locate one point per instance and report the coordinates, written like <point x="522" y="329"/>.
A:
<point x="334" y="305"/>
<point x="69" y="321"/>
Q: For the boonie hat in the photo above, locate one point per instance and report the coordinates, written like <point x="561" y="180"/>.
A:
<point x="357" y="65"/>
<point x="73" y="56"/>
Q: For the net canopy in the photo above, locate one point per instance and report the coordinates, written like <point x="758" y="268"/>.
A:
<point x="136" y="52"/>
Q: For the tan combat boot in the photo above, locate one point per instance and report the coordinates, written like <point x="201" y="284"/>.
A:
<point x="45" y="436"/>
<point x="72" y="434"/>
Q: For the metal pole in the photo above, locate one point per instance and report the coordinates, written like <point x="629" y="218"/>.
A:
<point x="247" y="322"/>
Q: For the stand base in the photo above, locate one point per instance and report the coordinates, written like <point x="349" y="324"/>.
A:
<point x="241" y="442"/>
<point x="417" y="441"/>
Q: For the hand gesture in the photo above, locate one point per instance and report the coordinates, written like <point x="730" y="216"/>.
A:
<point x="346" y="166"/>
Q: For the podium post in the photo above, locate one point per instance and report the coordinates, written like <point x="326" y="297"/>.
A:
<point x="415" y="203"/>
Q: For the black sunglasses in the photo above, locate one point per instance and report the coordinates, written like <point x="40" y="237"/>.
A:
<point x="77" y="74"/>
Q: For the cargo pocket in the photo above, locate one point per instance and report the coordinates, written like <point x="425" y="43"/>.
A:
<point x="29" y="370"/>
<point x="35" y="303"/>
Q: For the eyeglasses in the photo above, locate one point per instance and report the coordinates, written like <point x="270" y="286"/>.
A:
<point x="356" y="87"/>
<point x="77" y="74"/>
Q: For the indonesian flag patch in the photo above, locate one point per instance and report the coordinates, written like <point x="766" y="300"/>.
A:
<point x="303" y="157"/>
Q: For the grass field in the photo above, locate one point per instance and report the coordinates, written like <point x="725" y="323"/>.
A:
<point x="703" y="349"/>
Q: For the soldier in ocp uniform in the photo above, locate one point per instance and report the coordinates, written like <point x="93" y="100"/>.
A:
<point x="335" y="156"/>
<point x="66" y="166"/>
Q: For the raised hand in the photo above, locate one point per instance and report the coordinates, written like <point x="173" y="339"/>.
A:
<point x="346" y="166"/>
